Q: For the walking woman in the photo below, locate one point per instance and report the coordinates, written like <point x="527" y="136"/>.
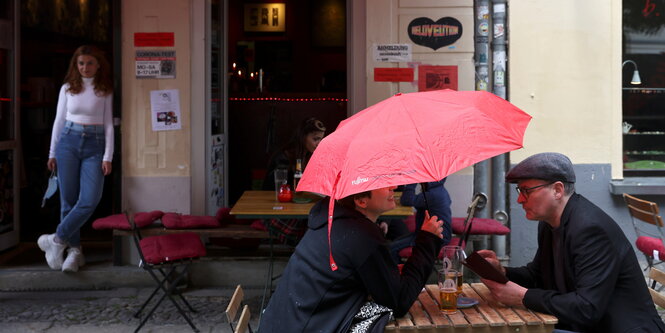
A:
<point x="81" y="151"/>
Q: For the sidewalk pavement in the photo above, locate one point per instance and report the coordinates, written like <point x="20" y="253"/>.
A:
<point x="112" y="311"/>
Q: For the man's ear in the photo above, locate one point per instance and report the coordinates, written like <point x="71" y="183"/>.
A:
<point x="361" y="202"/>
<point x="559" y="190"/>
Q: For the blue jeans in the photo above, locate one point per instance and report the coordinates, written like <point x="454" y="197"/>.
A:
<point x="81" y="180"/>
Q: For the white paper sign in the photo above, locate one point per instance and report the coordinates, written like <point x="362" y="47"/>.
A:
<point x="392" y="52"/>
<point x="165" y="110"/>
<point x="155" y="64"/>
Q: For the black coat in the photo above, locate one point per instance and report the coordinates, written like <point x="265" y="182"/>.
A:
<point x="311" y="297"/>
<point x="605" y="289"/>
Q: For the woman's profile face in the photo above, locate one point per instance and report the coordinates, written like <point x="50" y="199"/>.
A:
<point x="87" y="65"/>
<point x="312" y="140"/>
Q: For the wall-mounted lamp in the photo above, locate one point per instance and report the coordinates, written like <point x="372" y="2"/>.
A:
<point x="636" y="75"/>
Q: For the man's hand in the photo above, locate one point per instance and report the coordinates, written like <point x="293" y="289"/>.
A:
<point x="433" y="225"/>
<point x="490" y="256"/>
<point x="510" y="294"/>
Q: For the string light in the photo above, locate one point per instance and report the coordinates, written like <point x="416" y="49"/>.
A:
<point x="281" y="99"/>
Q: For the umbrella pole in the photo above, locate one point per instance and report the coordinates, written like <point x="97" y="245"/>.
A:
<point x="424" y="187"/>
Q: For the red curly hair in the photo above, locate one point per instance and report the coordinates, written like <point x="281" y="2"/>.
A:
<point x="102" y="81"/>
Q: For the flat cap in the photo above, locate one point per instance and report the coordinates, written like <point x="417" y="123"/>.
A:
<point x="546" y="166"/>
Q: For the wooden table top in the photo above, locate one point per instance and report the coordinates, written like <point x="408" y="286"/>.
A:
<point x="487" y="316"/>
<point x="262" y="204"/>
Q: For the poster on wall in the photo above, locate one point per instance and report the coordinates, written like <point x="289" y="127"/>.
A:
<point x="155" y="64"/>
<point x="435" y="35"/>
<point x="437" y="77"/>
<point x="265" y="17"/>
<point x="216" y="180"/>
<point x="165" y="110"/>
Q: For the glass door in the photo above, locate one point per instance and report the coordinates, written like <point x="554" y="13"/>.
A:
<point x="9" y="162"/>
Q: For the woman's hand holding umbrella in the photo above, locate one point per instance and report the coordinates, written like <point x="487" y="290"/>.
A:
<point x="433" y="225"/>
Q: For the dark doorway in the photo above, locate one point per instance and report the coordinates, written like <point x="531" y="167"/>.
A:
<point x="50" y="32"/>
<point x="279" y="77"/>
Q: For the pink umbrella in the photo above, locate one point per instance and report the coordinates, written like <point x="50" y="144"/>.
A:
<point x="412" y="138"/>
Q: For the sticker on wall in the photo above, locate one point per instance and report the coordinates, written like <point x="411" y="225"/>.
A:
<point x="483" y="29"/>
<point x="445" y="31"/>
<point x="437" y="77"/>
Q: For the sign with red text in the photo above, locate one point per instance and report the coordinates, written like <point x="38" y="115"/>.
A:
<point x="393" y="74"/>
<point x="151" y="39"/>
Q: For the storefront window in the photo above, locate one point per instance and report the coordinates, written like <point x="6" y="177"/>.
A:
<point x="644" y="103"/>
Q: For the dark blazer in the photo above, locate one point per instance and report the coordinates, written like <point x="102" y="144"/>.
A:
<point x="311" y="297"/>
<point x="605" y="288"/>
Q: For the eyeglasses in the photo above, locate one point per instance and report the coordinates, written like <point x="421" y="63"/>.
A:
<point x="528" y="190"/>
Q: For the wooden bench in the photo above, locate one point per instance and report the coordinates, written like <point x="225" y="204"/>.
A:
<point x="228" y="231"/>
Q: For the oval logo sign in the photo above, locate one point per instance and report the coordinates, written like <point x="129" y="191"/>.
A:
<point x="445" y="31"/>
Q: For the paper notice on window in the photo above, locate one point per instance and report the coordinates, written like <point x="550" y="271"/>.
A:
<point x="165" y="110"/>
<point x="392" y="52"/>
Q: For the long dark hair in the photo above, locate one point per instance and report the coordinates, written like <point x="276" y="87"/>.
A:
<point x="296" y="148"/>
<point x="102" y="81"/>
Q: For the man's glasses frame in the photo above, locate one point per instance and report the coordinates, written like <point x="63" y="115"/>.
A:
<point x="526" y="191"/>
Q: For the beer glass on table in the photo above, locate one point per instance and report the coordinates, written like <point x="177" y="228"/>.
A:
<point x="448" y="290"/>
<point x="456" y="256"/>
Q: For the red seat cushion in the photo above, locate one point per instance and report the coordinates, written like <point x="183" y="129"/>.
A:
<point x="650" y="244"/>
<point x="258" y="225"/>
<point x="165" y="248"/>
<point x="224" y="216"/>
<point x="144" y="219"/>
<point x="177" y="221"/>
<point x="480" y="227"/>
<point x="116" y="221"/>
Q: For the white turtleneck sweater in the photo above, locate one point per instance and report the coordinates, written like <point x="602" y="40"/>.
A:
<point x="84" y="108"/>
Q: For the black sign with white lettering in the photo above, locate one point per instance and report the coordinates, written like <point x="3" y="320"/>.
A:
<point x="445" y="31"/>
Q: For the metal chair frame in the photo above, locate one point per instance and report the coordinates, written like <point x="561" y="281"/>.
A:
<point x="170" y="275"/>
<point x="641" y="212"/>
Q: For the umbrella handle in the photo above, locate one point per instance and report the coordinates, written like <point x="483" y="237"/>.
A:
<point x="479" y="201"/>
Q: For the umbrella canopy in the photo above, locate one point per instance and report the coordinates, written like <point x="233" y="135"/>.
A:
<point x="412" y="138"/>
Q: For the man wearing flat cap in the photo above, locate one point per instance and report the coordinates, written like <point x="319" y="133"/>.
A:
<point x="585" y="271"/>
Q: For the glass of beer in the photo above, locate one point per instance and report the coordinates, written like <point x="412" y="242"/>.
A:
<point x="453" y="256"/>
<point x="448" y="290"/>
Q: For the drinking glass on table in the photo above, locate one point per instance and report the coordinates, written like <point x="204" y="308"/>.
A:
<point x="448" y="290"/>
<point x="281" y="178"/>
<point x="453" y="256"/>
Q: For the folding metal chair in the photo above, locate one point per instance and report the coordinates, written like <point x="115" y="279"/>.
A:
<point x="242" y="324"/>
<point x="657" y="276"/>
<point x="167" y="258"/>
<point x="649" y="229"/>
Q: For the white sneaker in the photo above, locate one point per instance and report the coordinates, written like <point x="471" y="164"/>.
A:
<point x="53" y="250"/>
<point x="74" y="260"/>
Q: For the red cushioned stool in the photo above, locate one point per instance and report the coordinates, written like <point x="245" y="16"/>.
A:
<point x="480" y="226"/>
<point x="167" y="258"/>
<point x="648" y="226"/>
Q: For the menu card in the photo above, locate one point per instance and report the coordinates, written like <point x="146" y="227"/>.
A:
<point x="483" y="268"/>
